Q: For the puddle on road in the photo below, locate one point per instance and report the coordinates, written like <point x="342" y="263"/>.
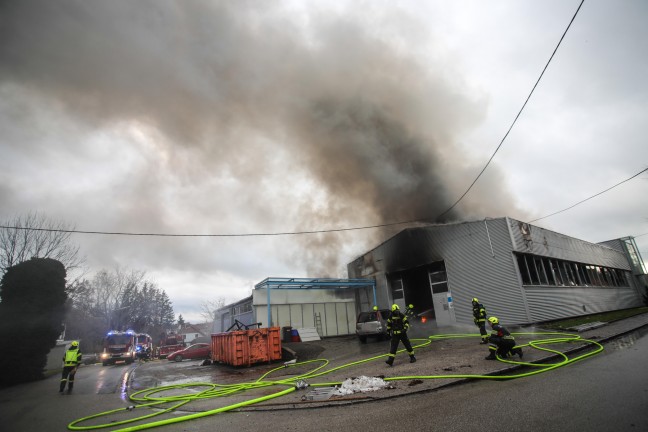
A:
<point x="627" y="341"/>
<point x="186" y="380"/>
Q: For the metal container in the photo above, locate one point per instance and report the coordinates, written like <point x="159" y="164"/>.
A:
<point x="247" y="347"/>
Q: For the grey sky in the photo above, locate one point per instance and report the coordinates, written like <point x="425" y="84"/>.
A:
<point x="202" y="117"/>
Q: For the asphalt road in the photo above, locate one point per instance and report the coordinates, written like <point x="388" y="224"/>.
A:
<point x="38" y="406"/>
<point x="608" y="392"/>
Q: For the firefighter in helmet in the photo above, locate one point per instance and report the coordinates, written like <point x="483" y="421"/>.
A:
<point x="397" y="326"/>
<point x="71" y="361"/>
<point x="479" y="317"/>
<point x="501" y="341"/>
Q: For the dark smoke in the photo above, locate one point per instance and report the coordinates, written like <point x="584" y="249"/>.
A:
<point x="346" y="97"/>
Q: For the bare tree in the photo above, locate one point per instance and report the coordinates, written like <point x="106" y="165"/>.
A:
<point x="109" y="289"/>
<point x="208" y="308"/>
<point x="35" y="236"/>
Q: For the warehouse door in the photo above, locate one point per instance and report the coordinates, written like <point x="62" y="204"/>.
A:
<point x="441" y="296"/>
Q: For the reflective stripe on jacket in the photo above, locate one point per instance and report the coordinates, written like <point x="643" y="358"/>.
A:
<point x="479" y="313"/>
<point x="500" y="332"/>
<point x="72" y="357"/>
<point x="397" y="322"/>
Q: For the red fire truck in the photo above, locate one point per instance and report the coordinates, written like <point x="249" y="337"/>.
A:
<point x="170" y="342"/>
<point x="144" y="349"/>
<point x="119" y="346"/>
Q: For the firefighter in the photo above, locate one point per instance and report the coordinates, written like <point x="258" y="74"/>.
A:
<point x="479" y="316"/>
<point x="409" y="312"/>
<point x="397" y="326"/>
<point x="71" y="361"/>
<point x="501" y="341"/>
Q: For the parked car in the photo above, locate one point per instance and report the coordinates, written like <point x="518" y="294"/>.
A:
<point x="372" y="324"/>
<point x="195" y="351"/>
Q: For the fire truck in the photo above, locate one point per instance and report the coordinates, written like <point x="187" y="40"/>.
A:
<point x="119" y="346"/>
<point x="144" y="347"/>
<point x="170" y="342"/>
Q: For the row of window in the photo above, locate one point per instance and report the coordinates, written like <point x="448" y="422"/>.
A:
<point x="242" y="308"/>
<point x="536" y="270"/>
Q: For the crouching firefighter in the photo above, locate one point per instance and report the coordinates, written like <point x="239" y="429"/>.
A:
<point x="479" y="317"/>
<point x="71" y="361"/>
<point x="501" y="341"/>
<point x="398" y="325"/>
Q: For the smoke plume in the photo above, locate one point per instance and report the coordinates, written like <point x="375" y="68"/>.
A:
<point x="303" y="118"/>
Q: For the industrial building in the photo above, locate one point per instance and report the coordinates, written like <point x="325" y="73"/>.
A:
<point x="522" y="273"/>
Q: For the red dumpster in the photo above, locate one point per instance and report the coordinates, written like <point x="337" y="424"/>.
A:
<point x="246" y="347"/>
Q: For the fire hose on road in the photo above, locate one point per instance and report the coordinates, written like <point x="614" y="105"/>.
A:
<point x="159" y="401"/>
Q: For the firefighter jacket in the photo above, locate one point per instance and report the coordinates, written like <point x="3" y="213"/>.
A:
<point x="500" y="333"/>
<point x="397" y="323"/>
<point x="72" y="357"/>
<point x="479" y="313"/>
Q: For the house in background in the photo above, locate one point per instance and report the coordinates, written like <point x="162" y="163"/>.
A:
<point x="194" y="333"/>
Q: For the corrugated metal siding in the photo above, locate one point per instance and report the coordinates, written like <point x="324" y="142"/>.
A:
<point x="551" y="244"/>
<point x="613" y="244"/>
<point x="473" y="268"/>
<point x="548" y="303"/>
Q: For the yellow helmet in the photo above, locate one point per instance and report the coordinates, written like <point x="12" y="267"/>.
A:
<point x="493" y="320"/>
<point x="75" y="343"/>
<point x="375" y="308"/>
<point x="395" y="307"/>
<point x="474" y="300"/>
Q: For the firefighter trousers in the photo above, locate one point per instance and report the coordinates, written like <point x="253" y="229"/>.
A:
<point x="67" y="377"/>
<point x="395" y="340"/>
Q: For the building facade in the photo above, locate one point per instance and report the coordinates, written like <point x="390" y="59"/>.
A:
<point x="522" y="273"/>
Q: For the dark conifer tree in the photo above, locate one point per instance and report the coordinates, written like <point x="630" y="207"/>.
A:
<point x="32" y="310"/>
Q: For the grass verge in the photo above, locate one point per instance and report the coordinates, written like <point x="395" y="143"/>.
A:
<point x="603" y="317"/>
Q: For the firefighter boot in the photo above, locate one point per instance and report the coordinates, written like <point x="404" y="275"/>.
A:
<point x="491" y="356"/>
<point x="390" y="361"/>
<point x="412" y="358"/>
<point x="518" y="351"/>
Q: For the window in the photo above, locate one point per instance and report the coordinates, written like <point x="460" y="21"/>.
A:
<point x="524" y="271"/>
<point x="555" y="270"/>
<point x="537" y="270"/>
<point x="397" y="289"/>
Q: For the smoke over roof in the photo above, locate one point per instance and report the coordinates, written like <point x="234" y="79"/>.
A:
<point x="300" y="119"/>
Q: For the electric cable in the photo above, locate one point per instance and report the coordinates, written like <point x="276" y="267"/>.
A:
<point x="156" y="398"/>
<point x="593" y="196"/>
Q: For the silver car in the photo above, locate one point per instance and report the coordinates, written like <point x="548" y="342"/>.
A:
<point x="372" y="324"/>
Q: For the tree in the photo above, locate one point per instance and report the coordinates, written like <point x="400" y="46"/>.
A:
<point x="208" y="308"/>
<point x="117" y="300"/>
<point x="32" y="309"/>
<point x="35" y="236"/>
<point x="181" y="321"/>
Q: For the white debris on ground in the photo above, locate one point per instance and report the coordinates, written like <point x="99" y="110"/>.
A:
<point x="361" y="384"/>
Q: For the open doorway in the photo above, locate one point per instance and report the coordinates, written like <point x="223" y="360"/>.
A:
<point x="425" y="287"/>
<point x="412" y="286"/>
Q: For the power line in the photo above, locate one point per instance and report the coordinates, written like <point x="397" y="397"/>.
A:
<point x="322" y="231"/>
<point x="116" y="233"/>
<point x="516" y="117"/>
<point x="587" y="199"/>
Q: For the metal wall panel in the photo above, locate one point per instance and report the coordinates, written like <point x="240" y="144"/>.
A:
<point x="549" y="303"/>
<point x="540" y="241"/>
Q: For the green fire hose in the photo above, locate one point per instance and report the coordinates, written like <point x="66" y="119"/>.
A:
<point x="159" y="401"/>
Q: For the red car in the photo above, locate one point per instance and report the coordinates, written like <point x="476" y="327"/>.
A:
<point x="196" y="351"/>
